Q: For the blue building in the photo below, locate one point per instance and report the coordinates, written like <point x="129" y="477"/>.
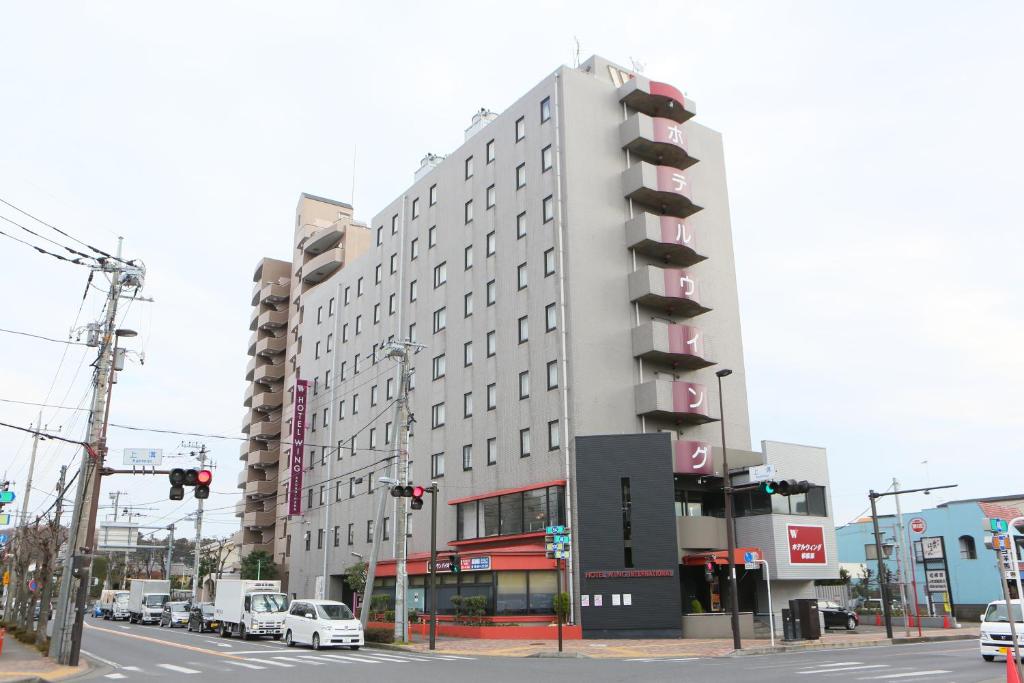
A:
<point x="973" y="577"/>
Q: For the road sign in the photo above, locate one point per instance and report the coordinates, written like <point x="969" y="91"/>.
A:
<point x="3" y="539"/>
<point x="556" y="530"/>
<point x="134" y="457"/>
<point x="931" y="547"/>
<point x="33" y="585"/>
<point x="6" y="496"/>
<point x="750" y="556"/>
<point x="7" y="577"/>
<point x="761" y="473"/>
<point x="997" y="525"/>
<point x="936" y="581"/>
<point x="5" y="519"/>
<point x="918" y="525"/>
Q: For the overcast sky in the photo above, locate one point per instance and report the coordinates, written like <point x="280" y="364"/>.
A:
<point x="873" y="152"/>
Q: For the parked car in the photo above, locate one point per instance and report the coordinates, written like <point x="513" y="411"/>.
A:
<point x="994" y="638"/>
<point x="97" y="611"/>
<point x="175" y="613"/>
<point x="837" y="616"/>
<point x="322" y="623"/>
<point x="201" y="618"/>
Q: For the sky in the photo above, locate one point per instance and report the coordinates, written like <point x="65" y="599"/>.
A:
<point x="873" y="157"/>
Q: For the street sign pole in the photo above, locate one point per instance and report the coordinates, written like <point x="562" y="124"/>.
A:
<point x="997" y="544"/>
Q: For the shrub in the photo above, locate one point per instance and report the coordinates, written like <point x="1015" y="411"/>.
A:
<point x="470" y="609"/>
<point x="376" y="634"/>
<point x="696" y="607"/>
<point x="561" y="604"/>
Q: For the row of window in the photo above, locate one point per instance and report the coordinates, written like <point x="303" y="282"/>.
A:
<point x="505" y="593"/>
<point x="513" y="513"/>
<point x="437" y="460"/>
<point x="307" y="536"/>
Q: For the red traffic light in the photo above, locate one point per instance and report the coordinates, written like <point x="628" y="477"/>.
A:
<point x="418" y="491"/>
<point x="204" y="477"/>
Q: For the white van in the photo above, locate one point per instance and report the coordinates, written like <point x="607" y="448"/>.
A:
<point x="995" y="629"/>
<point x="320" y="623"/>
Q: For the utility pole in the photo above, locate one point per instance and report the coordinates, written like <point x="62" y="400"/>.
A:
<point x="201" y="455"/>
<point x="39" y="432"/>
<point x="400" y="350"/>
<point x="67" y="632"/>
<point x="904" y="561"/>
<point x="170" y="550"/>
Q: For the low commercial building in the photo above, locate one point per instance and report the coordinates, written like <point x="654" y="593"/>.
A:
<point x="568" y="275"/>
<point x="948" y="551"/>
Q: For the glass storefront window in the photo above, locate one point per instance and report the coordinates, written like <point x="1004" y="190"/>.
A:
<point x="816" y="502"/>
<point x="512" y="514"/>
<point x="556" y="505"/>
<point x="535" y="510"/>
<point x="511" y="593"/>
<point x="543" y="587"/>
<point x="489" y="517"/>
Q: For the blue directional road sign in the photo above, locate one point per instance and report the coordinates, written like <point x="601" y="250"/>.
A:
<point x="555" y="530"/>
<point x="749" y="557"/>
<point x="3" y="539"/>
<point x="6" y="497"/>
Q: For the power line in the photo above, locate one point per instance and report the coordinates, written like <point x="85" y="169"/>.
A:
<point x="41" y="405"/>
<point x="71" y="237"/>
<point x="39" y="336"/>
<point x="76" y="261"/>
<point x="43" y="237"/>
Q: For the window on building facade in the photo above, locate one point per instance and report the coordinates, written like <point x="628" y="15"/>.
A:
<point x="521" y="276"/>
<point x="414" y="248"/>
<point x="492" y="289"/>
<point x="432" y="236"/>
<point x="492" y="396"/>
<point x="412" y="332"/>
<point x="380" y="235"/>
<point x="554" y="436"/>
<point x="392" y="306"/>
<point x="524" y="329"/>
<point x="330" y="307"/>
<point x="492" y="451"/>
<point x="520" y="128"/>
<point x="337" y="536"/>
<point x="521" y="225"/>
<point x="467" y="304"/>
<point x="348" y="296"/>
<point x="378" y="271"/>
<point x="524" y="442"/>
<point x="468" y="257"/>
<point x="491" y="196"/>
<point x="521" y="176"/>
<point x="437" y="415"/>
<point x="492" y="343"/>
<point x="524" y="384"/>
<point x="344" y="332"/>
<point x="376" y="313"/>
<point x="369" y="531"/>
<point x="514" y="513"/>
<point x="545" y="159"/>
<point x="394" y="224"/>
<point x="440" y="320"/>
<point x="437" y="465"/>
<point x="490" y="151"/>
<point x="440" y="274"/>
<point x="468" y="211"/>
<point x="469" y="167"/>
<point x="359" y="287"/>
<point x="492" y="243"/>
<point x="372" y="439"/>
<point x="549" y="262"/>
<point x="550" y="317"/>
<point x="467" y="404"/>
<point x="545" y="109"/>
<point x="390" y="388"/>
<point x="467" y="457"/>
<point x="307" y="538"/>
<point x="351" y="534"/>
<point x="552" y="374"/>
<point x="548" y="209"/>
<point x="968" y="551"/>
<point x="467" y="354"/>
<point x="359" y="324"/>
<point x="416" y="208"/>
<point x="394" y="263"/>
<point x="438" y="366"/>
<point x="374" y="394"/>
<point x="433" y="195"/>
<point x="412" y="291"/>
<point x="316" y="350"/>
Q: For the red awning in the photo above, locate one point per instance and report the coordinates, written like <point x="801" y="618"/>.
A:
<point x="720" y="556"/>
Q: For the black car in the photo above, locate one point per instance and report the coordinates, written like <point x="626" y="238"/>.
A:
<point x="837" y="616"/>
<point x="201" y="618"/>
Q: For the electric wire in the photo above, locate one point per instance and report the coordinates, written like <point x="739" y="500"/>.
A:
<point x="76" y="261"/>
<point x="71" y="237"/>
<point x="44" y="237"/>
<point x="39" y="336"/>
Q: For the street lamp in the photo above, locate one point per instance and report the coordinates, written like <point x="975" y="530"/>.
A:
<point x="734" y="600"/>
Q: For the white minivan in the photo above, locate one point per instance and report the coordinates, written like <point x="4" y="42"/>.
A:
<point x="322" y="623"/>
<point x="994" y="638"/>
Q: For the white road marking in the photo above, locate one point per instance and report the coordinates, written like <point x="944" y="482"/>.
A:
<point x="838" y="664"/>
<point x="392" y="658"/>
<point x="845" y="668"/>
<point x="245" y="664"/>
<point x="268" y="661"/>
<point x="122" y="626"/>
<point x="315" y="661"/>
<point x="179" y="669"/>
<point x="115" y="676"/>
<point x="907" y="675"/>
<point x="353" y="658"/>
<point x="457" y="657"/>
<point x="218" y="643"/>
<point x="131" y="668"/>
<point x="649" y="659"/>
<point x="100" y="659"/>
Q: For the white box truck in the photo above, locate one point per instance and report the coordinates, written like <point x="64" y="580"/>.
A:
<point x="248" y="608"/>
<point x="146" y="600"/>
<point x="114" y="604"/>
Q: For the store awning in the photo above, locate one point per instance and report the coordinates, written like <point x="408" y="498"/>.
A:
<point x="720" y="556"/>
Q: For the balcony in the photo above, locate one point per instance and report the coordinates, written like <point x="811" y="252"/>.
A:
<point x="267" y="401"/>
<point x="247" y="398"/>
<point x="247" y="421"/>
<point x="656" y="99"/>
<point x="321" y="267"/>
<point x="258" y="520"/>
<point x="254" y="317"/>
<point x="267" y="547"/>
<point x="681" y="346"/>
<point x="269" y="373"/>
<point x="657" y="140"/>
<point x="240" y="508"/>
<point x="250" y="368"/>
<point x="243" y="451"/>
<point x="266" y="430"/>
<point x="671" y="289"/>
<point x="663" y="188"/>
<point x="324" y="239"/>
<point x="700" y="533"/>
<point x="251" y="347"/>
<point x="272" y="319"/>
<point x="679" y="402"/>
<point x="671" y="239"/>
<point x="269" y="293"/>
<point x="262" y="459"/>
<point x="243" y="478"/>
<point x="260" y="488"/>
<point x="271" y="346"/>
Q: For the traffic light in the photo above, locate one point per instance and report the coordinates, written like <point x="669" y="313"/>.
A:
<point x="203" y="480"/>
<point x="180" y="478"/>
<point x="767" y="487"/>
<point x="785" y="487"/>
<point x="414" y="492"/>
<point x="177" y="478"/>
<point x="709" y="571"/>
<point x="456" y="564"/>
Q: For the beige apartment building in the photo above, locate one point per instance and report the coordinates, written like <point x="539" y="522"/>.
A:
<point x="326" y="238"/>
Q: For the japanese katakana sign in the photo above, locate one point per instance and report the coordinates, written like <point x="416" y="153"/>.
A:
<point x="806" y="544"/>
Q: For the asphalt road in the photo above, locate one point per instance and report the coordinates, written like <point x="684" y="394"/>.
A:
<point x="142" y="653"/>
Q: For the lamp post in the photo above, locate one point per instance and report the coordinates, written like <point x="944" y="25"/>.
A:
<point x="734" y="600"/>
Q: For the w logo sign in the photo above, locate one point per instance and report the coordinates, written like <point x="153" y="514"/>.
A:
<point x="793" y="533"/>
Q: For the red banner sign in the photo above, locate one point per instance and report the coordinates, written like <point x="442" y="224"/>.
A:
<point x="688" y="397"/>
<point x="693" y="457"/>
<point x="298" y="448"/>
<point x="806" y="544"/>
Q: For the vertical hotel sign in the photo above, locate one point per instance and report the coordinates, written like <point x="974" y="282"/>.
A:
<point x="298" y="448"/>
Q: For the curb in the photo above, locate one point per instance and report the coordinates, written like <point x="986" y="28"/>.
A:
<point x="851" y="645"/>
<point x="560" y="655"/>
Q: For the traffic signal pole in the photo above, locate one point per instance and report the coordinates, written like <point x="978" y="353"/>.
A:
<point x="401" y="439"/>
<point x="433" y="563"/>
<point x="199" y="530"/>
<point x="371" y="571"/>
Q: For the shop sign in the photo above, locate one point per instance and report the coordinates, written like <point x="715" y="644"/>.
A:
<point x="298" y="448"/>
<point x="931" y="548"/>
<point x="936" y="581"/>
<point x="467" y="564"/>
<point x="629" y="574"/>
<point x="806" y="544"/>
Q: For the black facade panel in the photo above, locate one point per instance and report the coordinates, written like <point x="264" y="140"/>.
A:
<point x="652" y="580"/>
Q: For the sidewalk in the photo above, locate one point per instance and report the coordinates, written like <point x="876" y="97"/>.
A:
<point x="673" y="648"/>
<point x="20" y="662"/>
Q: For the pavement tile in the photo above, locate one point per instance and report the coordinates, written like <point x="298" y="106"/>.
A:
<point x="18" y="661"/>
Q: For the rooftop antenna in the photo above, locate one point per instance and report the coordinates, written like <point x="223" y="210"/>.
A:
<point x="638" y="66"/>
<point x="353" y="195"/>
<point x="576" y="53"/>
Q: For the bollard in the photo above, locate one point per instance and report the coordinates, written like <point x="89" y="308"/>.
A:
<point x="3" y="632"/>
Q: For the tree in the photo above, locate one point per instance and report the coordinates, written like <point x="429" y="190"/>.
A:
<point x="258" y="564"/>
<point x="355" y="576"/>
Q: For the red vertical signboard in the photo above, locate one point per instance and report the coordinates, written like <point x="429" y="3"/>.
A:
<point x="806" y="544"/>
<point x="298" y="448"/>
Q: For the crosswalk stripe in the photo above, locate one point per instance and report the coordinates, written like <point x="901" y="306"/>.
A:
<point x="315" y="661"/>
<point x="179" y="669"/>
<point x="908" y="675"/>
<point x="115" y="675"/>
<point x="838" y="664"/>
<point x="352" y="658"/>
<point x="845" y="668"/>
<point x="269" y="661"/>
<point x="393" y="658"/>
<point x="287" y="659"/>
<point x="458" y="657"/>
<point x="246" y="665"/>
